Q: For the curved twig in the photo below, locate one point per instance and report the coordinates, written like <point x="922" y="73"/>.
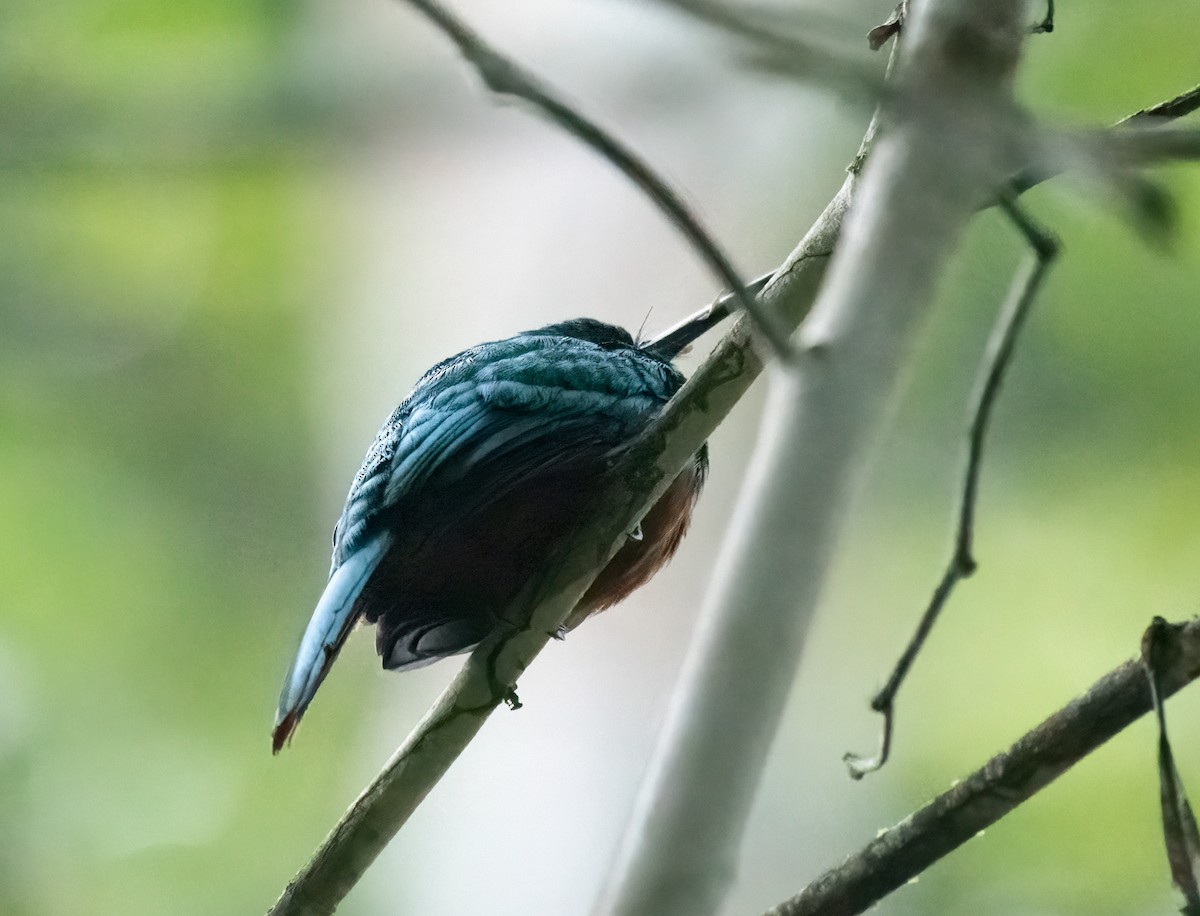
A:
<point x="504" y="77"/>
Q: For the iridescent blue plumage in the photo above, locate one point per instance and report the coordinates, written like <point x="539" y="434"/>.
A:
<point x="472" y="481"/>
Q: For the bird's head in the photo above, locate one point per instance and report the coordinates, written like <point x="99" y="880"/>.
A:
<point x="604" y="335"/>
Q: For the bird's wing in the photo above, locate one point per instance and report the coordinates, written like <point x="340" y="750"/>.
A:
<point x="513" y="415"/>
<point x="517" y="414"/>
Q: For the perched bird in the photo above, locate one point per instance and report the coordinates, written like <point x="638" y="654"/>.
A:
<point x="476" y="477"/>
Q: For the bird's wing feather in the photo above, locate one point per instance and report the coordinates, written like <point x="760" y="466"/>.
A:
<point x="518" y="414"/>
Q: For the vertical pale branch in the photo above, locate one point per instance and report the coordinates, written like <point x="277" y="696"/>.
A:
<point x="926" y="176"/>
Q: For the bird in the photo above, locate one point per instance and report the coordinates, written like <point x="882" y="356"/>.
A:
<point x="476" y="477"/>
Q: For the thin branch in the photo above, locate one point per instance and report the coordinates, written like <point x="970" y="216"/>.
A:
<point x="504" y="77"/>
<point x="780" y="43"/>
<point x="961" y="565"/>
<point x="1183" y="104"/>
<point x="1142" y="145"/>
<point x="1004" y="782"/>
<point x="1140" y="121"/>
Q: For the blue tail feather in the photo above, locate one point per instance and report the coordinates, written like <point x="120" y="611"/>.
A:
<point x="327" y="630"/>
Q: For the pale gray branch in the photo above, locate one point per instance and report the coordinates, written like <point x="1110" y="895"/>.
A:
<point x="923" y="180"/>
<point x="506" y="78"/>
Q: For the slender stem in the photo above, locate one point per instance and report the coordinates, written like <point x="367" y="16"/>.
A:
<point x="1169" y="110"/>
<point x="1183" y="104"/>
<point x="505" y="77"/>
<point x="997" y="359"/>
<point x="780" y="39"/>
<point x="999" y="353"/>
<point x="898" y="855"/>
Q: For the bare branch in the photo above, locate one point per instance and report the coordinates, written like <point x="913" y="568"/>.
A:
<point x="1140" y="123"/>
<point x="1155" y="213"/>
<point x="961" y="565"/>
<point x="1141" y="146"/>
<point x="504" y="77"/>
<point x="1183" y="104"/>
<point x="922" y="182"/>
<point x="1004" y="782"/>
<point x="779" y="41"/>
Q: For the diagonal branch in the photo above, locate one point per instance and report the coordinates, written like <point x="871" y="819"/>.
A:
<point x="778" y="41"/>
<point x="1007" y="780"/>
<point x="1148" y="141"/>
<point x="504" y="77"/>
<point x="1183" y="104"/>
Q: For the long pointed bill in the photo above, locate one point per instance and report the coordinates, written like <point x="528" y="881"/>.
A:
<point x="670" y="343"/>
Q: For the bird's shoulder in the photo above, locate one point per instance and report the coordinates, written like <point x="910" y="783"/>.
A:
<point x="546" y="369"/>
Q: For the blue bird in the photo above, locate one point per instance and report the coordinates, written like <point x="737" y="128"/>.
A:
<point x="474" y="480"/>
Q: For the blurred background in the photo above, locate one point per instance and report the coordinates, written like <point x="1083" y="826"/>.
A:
<point x="231" y="237"/>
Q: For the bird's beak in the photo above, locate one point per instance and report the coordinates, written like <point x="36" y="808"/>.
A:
<point x="671" y="342"/>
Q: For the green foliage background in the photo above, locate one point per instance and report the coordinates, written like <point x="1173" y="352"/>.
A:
<point x="179" y="415"/>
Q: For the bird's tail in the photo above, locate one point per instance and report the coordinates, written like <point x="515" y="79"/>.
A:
<point x="331" y="623"/>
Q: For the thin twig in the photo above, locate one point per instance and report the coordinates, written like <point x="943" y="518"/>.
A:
<point x="781" y="43"/>
<point x="1004" y="782"/>
<point x="962" y="563"/>
<point x="1142" y="145"/>
<point x="1183" y="104"/>
<point x="1172" y="109"/>
<point x="504" y="77"/>
<point x="998" y="357"/>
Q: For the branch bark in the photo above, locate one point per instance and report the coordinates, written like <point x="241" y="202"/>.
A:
<point x="1007" y="780"/>
<point x="504" y="77"/>
<point x="930" y="169"/>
